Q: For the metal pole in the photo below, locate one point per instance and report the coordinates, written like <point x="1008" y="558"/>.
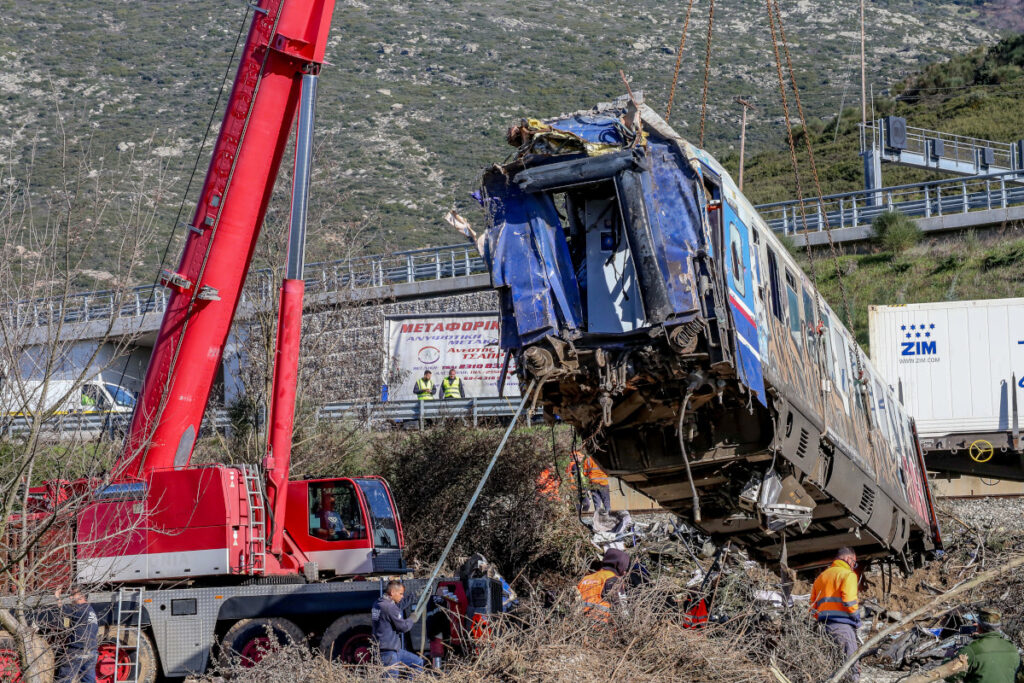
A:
<point x="300" y="182"/>
<point x="863" y="79"/>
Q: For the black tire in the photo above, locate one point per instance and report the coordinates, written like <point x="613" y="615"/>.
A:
<point x="248" y="640"/>
<point x="349" y="639"/>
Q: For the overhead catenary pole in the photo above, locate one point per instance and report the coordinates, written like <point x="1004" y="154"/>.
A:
<point x="863" y="77"/>
<point x="743" y="135"/>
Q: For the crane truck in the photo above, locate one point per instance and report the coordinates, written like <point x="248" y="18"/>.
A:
<point x="228" y="558"/>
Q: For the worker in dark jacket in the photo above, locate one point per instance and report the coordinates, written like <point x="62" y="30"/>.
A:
<point x="991" y="658"/>
<point x="834" y="603"/>
<point x="451" y="386"/>
<point x="81" y="642"/>
<point x="388" y="630"/>
<point x="424" y="388"/>
<point x="603" y="589"/>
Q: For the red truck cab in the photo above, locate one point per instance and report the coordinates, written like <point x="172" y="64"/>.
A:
<point x="346" y="526"/>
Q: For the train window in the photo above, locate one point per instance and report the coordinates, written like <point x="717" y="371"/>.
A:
<point x="894" y="427"/>
<point x="811" y="327"/>
<point x="795" y="320"/>
<point x="775" y="290"/>
<point x="883" y="412"/>
<point x="826" y="336"/>
<point x="736" y="258"/>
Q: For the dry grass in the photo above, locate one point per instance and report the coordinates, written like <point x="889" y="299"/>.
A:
<point x="646" y="641"/>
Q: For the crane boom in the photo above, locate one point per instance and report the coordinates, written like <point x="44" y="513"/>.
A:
<point x="286" y="40"/>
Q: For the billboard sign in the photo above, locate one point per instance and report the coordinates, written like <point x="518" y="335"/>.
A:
<point x="467" y="342"/>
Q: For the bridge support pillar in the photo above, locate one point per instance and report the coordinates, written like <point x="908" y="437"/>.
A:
<point x="873" y="175"/>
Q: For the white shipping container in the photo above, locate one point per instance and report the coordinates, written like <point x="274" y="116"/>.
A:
<point x="958" y="362"/>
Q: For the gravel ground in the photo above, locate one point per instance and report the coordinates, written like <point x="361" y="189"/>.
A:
<point x="994" y="514"/>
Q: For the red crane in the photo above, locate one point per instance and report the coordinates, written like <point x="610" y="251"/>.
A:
<point x="220" y="520"/>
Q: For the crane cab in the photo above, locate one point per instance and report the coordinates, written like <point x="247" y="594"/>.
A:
<point x="346" y="526"/>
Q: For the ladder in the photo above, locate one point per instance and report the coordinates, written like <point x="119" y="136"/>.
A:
<point x="129" y="630"/>
<point x="256" y="500"/>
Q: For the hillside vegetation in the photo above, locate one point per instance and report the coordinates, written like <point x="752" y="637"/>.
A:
<point x="959" y="268"/>
<point x="977" y="94"/>
<point x="416" y="97"/>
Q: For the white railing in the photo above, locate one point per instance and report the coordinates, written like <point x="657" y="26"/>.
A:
<point x="434" y="263"/>
<point x="961" y="149"/>
<point x="844" y="210"/>
<point x="371" y="414"/>
<point x="920" y="200"/>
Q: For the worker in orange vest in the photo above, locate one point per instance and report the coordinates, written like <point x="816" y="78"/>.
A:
<point x="599" y="491"/>
<point x="603" y="589"/>
<point x="834" y="603"/>
<point x="548" y="482"/>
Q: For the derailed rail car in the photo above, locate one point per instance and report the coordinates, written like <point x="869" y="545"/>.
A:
<point x="661" y="317"/>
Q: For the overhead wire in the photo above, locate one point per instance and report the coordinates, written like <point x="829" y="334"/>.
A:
<point x="817" y="186"/>
<point x="707" y="70"/>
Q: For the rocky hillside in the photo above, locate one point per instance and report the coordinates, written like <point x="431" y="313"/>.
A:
<point x="417" y="95"/>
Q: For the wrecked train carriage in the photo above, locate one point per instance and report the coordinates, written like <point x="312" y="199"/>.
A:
<point x="662" y="318"/>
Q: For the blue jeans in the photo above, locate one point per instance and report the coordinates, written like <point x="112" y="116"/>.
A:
<point x="602" y="498"/>
<point x="78" y="667"/>
<point x="393" y="659"/>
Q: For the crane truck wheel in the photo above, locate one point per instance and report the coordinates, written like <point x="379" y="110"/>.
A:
<point x="108" y="653"/>
<point x="249" y="640"/>
<point x="10" y="662"/>
<point x="349" y="640"/>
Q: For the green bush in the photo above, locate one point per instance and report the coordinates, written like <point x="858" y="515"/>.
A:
<point x="895" y="232"/>
<point x="433" y="473"/>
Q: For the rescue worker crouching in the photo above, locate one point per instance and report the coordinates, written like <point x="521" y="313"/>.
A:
<point x="389" y="629"/>
<point x="424" y="388"/>
<point x="603" y="589"/>
<point x="451" y="386"/>
<point x="991" y="657"/>
<point x="834" y="603"/>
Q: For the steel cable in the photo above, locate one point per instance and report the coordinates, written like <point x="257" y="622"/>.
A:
<point x="707" y="71"/>
<point x="679" y="61"/>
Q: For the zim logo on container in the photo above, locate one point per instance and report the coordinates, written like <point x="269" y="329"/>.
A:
<point x="917" y="340"/>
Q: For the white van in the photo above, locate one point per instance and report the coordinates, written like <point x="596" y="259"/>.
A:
<point x="93" y="397"/>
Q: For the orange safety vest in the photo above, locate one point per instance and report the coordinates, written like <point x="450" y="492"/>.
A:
<point x="591" y="588"/>
<point x="593" y="472"/>
<point x="834" y="595"/>
<point x="547" y="483"/>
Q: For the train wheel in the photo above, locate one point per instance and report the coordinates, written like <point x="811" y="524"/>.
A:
<point x="249" y="640"/>
<point x="349" y="640"/>
<point x="10" y="662"/>
<point x="110" y="671"/>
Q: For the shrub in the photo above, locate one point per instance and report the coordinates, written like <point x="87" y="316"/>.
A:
<point x="895" y="232"/>
<point x="434" y="472"/>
